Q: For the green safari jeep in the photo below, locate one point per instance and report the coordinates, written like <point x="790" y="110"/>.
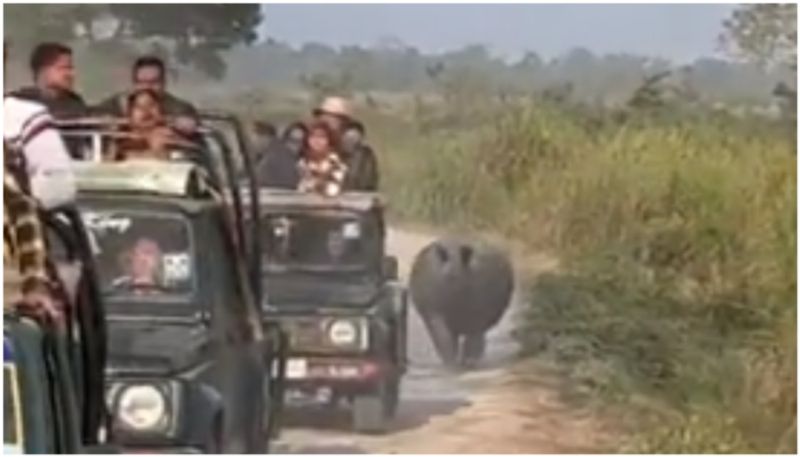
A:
<point x="336" y="293"/>
<point x="187" y="349"/>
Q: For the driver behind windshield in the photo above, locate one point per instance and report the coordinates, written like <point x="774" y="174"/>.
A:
<point x="141" y="266"/>
<point x="151" y="251"/>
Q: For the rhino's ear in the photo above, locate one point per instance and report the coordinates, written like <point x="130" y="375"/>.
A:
<point x="467" y="254"/>
<point x="441" y="252"/>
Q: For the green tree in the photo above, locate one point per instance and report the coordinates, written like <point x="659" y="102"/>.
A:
<point x="26" y="24"/>
<point x="195" y="35"/>
<point x="763" y="33"/>
<point x="200" y="33"/>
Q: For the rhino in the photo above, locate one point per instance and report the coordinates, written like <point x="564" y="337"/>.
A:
<point x="460" y="289"/>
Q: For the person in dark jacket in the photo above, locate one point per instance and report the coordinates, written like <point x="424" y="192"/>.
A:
<point x="294" y="136"/>
<point x="262" y="134"/>
<point x="148" y="73"/>
<point x="358" y="156"/>
<point x="54" y="82"/>
<point x="278" y="166"/>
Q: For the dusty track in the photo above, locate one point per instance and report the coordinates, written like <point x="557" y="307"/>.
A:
<point x="499" y="408"/>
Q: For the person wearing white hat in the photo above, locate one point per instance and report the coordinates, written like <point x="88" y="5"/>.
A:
<point x="360" y="159"/>
<point x="334" y="111"/>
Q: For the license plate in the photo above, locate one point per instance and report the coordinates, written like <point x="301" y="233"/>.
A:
<point x="296" y="368"/>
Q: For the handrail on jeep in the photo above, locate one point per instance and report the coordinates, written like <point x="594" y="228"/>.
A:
<point x="254" y="240"/>
<point x="67" y="225"/>
<point x="352" y="201"/>
<point x="146" y="176"/>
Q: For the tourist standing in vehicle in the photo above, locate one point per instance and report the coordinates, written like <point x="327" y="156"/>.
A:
<point x="54" y="82"/>
<point x="150" y="136"/>
<point x="337" y="113"/>
<point x="262" y="136"/>
<point x="32" y="139"/>
<point x="321" y="169"/>
<point x="278" y="168"/>
<point x="148" y="73"/>
<point x="353" y="135"/>
<point x="146" y="127"/>
<point x="362" y="158"/>
<point x="294" y="135"/>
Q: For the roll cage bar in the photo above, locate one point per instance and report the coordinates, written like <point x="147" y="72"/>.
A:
<point x="85" y="319"/>
<point x="253" y="243"/>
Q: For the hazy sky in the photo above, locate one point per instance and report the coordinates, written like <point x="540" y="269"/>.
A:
<point x="677" y="32"/>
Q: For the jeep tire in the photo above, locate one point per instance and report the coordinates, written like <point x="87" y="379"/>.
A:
<point x="373" y="411"/>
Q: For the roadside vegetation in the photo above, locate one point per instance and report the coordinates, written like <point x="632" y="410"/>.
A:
<point x="675" y="225"/>
<point x="677" y="290"/>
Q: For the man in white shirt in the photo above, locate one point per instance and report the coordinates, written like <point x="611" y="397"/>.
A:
<point x="28" y="127"/>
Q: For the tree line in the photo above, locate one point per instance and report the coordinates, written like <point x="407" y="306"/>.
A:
<point x="220" y="42"/>
<point x="585" y="75"/>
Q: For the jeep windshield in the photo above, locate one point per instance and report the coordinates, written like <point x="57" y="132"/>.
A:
<point x="326" y="242"/>
<point x="142" y="254"/>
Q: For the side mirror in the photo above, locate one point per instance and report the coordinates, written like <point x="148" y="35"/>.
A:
<point x="390" y="268"/>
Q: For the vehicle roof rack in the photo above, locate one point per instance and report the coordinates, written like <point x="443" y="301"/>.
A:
<point x="93" y="133"/>
<point x="153" y="177"/>
<point x="285" y="198"/>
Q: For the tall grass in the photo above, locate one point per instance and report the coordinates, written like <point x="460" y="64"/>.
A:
<point x="678" y="238"/>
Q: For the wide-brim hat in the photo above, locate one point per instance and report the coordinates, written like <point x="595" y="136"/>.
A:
<point x="336" y="106"/>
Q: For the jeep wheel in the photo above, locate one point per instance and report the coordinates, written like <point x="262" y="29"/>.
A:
<point x="213" y="443"/>
<point x="391" y="396"/>
<point x="369" y="414"/>
<point x="268" y="414"/>
<point x="372" y="412"/>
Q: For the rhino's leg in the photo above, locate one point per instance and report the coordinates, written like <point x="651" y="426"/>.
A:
<point x="444" y="341"/>
<point x="473" y="349"/>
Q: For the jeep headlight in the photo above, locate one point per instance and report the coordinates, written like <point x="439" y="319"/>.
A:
<point x="348" y="333"/>
<point x="142" y="408"/>
<point x="343" y="332"/>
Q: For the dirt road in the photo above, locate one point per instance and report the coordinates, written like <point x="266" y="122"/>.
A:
<point x="499" y="408"/>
